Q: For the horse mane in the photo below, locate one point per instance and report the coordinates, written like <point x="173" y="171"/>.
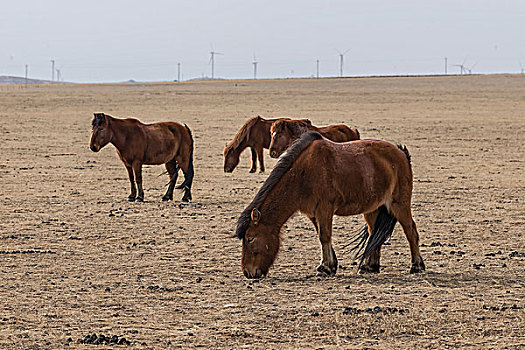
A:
<point x="284" y="164"/>
<point x="97" y="118"/>
<point x="242" y="134"/>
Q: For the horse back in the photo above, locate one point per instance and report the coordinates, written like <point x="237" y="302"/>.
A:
<point x="358" y="176"/>
<point x="339" y="133"/>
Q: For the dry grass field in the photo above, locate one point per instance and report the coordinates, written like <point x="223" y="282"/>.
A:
<point x="76" y="258"/>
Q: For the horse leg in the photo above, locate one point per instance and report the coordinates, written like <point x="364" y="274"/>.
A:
<point x="371" y="263"/>
<point x="254" y="160"/>
<point x="133" y="193"/>
<point x="137" y="169"/>
<point x="260" y="155"/>
<point x="404" y="215"/>
<point x="184" y="163"/>
<point x="173" y="171"/>
<point x="328" y="266"/>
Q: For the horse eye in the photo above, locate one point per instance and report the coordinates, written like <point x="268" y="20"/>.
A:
<point x="250" y="240"/>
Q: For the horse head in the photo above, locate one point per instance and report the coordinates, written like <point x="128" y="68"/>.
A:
<point x="284" y="132"/>
<point x="260" y="245"/>
<point x="231" y="159"/>
<point x="101" y="134"/>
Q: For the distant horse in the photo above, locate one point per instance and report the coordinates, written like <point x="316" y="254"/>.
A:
<point x="284" y="132"/>
<point x="137" y="144"/>
<point x="320" y="178"/>
<point x="255" y="133"/>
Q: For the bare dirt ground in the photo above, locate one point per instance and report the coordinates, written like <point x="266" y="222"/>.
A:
<point x="76" y="258"/>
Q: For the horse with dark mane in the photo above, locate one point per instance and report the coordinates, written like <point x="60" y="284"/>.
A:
<point x="168" y="143"/>
<point x="285" y="132"/>
<point x="255" y="133"/>
<point x="320" y="179"/>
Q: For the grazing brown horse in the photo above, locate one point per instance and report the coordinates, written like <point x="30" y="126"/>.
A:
<point x="284" y="132"/>
<point x="255" y="133"/>
<point x="320" y="178"/>
<point x="136" y="143"/>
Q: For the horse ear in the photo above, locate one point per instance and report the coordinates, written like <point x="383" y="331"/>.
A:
<point x="256" y="216"/>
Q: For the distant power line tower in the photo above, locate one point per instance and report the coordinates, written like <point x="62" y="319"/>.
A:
<point x="254" y="67"/>
<point x="317" y="71"/>
<point x="52" y="70"/>
<point x="58" y="75"/>
<point x="341" y="59"/>
<point x="178" y="71"/>
<point x="446" y="65"/>
<point x="27" y="67"/>
<point x="212" y="61"/>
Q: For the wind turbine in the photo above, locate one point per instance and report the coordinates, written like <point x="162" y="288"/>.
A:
<point x="212" y="61"/>
<point x="463" y="69"/>
<point x="471" y="68"/>
<point x="254" y="67"/>
<point x="341" y="58"/>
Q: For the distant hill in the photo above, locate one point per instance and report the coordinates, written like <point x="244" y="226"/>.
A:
<point x="19" y="80"/>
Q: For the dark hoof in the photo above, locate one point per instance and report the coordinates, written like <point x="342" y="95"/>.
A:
<point x="419" y="267"/>
<point x="139" y="199"/>
<point x="187" y="195"/>
<point x="131" y="198"/>
<point x="261" y="171"/>
<point x="323" y="271"/>
<point x="253" y="170"/>
<point x="369" y="269"/>
<point x="167" y="198"/>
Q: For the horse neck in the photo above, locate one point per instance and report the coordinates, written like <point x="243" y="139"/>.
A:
<point x="266" y="125"/>
<point x="281" y="202"/>
<point x="119" y="129"/>
<point x="237" y="150"/>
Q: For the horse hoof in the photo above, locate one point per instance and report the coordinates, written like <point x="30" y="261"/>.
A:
<point x="369" y="269"/>
<point x="139" y="199"/>
<point x="323" y="271"/>
<point x="165" y="199"/>
<point x="252" y="170"/>
<point x="261" y="171"/>
<point x="131" y="198"/>
<point x="417" y="269"/>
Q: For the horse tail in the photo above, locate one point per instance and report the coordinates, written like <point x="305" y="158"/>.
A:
<point x="357" y="134"/>
<point x="405" y="151"/>
<point x="381" y="232"/>
<point x="188" y="178"/>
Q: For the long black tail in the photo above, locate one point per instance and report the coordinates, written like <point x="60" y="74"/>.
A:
<point x="188" y="178"/>
<point x="382" y="231"/>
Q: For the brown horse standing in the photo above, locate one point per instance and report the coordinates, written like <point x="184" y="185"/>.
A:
<point x="255" y="133"/>
<point x="284" y="132"/>
<point x="321" y="178"/>
<point x="136" y="144"/>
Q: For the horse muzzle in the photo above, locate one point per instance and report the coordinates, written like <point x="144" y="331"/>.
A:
<point x="228" y="170"/>
<point x="257" y="274"/>
<point x="94" y="148"/>
<point x="274" y="154"/>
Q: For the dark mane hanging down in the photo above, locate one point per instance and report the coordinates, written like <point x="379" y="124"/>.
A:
<point x="284" y="164"/>
<point x="242" y="134"/>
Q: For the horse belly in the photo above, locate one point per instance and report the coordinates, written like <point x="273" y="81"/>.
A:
<point x="161" y="147"/>
<point x="364" y="188"/>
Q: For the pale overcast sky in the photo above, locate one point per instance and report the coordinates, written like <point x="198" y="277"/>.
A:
<point x="118" y="40"/>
